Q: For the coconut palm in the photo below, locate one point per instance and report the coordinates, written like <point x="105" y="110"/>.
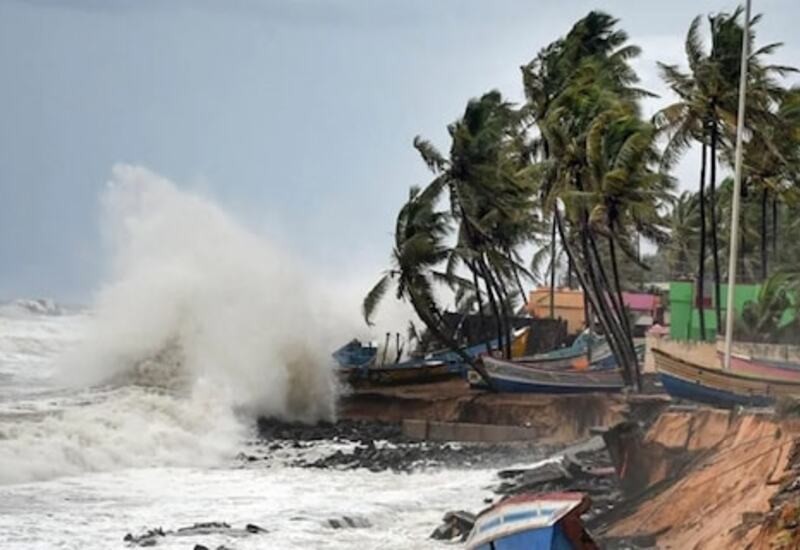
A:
<point x="491" y="202"/>
<point x="420" y="247"/>
<point x="596" y="81"/>
<point x="684" y="231"/>
<point x="773" y="316"/>
<point x="706" y="113"/>
<point x="595" y="37"/>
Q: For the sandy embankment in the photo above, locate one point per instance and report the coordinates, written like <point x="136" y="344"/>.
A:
<point x="712" y="474"/>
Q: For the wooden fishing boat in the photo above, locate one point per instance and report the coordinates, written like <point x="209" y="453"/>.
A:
<point x="580" y="347"/>
<point x="455" y="361"/>
<point x="408" y="372"/>
<point x="686" y="380"/>
<point x="512" y="377"/>
<point x="784" y="354"/>
<point x="544" y="521"/>
<point x="770" y="361"/>
<point x="747" y="366"/>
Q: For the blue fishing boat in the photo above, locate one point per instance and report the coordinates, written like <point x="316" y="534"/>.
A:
<point x="355" y="354"/>
<point x="544" y="521"/>
<point x="513" y="377"/>
<point x="456" y="363"/>
<point x="687" y="380"/>
<point x="582" y="344"/>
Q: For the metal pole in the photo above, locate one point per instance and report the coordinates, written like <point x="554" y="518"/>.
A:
<point x="737" y="186"/>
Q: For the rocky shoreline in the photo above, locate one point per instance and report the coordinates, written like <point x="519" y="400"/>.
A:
<point x="380" y="446"/>
<point x="681" y="453"/>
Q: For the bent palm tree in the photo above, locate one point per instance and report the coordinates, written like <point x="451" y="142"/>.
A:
<point x="419" y="247"/>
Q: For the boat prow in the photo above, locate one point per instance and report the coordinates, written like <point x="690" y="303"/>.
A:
<point x="545" y="521"/>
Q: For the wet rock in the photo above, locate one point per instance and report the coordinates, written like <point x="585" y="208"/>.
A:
<point x="455" y="525"/>
<point x="205" y="528"/>
<point x="151" y="537"/>
<point x="349" y="522"/>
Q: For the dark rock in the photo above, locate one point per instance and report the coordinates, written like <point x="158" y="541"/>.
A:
<point x="200" y="547"/>
<point x="444" y="532"/>
<point x="149" y="538"/>
<point x="349" y="522"/>
<point x="204" y="528"/>
<point x="455" y="525"/>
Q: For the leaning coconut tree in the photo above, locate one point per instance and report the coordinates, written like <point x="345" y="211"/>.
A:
<point x="419" y="249"/>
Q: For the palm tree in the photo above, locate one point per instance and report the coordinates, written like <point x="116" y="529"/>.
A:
<point x="592" y="79"/>
<point x="627" y="192"/>
<point x="772" y="160"/>
<point x="706" y="112"/>
<point x="579" y="111"/>
<point x="490" y="200"/>
<point x="545" y="78"/>
<point x="773" y="316"/>
<point x="684" y="239"/>
<point x="419" y="248"/>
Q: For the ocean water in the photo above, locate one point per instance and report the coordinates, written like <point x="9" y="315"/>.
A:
<point x="129" y="415"/>
<point x="82" y="466"/>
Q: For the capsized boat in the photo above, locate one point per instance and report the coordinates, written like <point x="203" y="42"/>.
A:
<point x="513" y="377"/>
<point x="540" y="521"/>
<point x="684" y="379"/>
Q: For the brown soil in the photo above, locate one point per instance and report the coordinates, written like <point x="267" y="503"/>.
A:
<point x="716" y="499"/>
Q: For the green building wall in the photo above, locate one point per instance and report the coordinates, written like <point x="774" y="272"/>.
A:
<point x="685" y="318"/>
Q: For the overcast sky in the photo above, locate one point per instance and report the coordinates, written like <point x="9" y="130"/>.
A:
<point x="296" y="116"/>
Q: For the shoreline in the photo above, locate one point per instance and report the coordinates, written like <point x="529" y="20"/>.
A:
<point x="672" y="446"/>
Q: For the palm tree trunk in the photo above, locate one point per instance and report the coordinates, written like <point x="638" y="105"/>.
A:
<point x="490" y="294"/>
<point x="517" y="278"/>
<point x="613" y="311"/>
<point x="569" y="274"/>
<point x="712" y="202"/>
<point x="590" y="296"/>
<point x="615" y="270"/>
<point x="502" y="294"/>
<point x="617" y="307"/>
<point x="553" y="270"/>
<point x="764" y="254"/>
<point x="701" y="261"/>
<point x="775" y="228"/>
<point x="481" y="326"/>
